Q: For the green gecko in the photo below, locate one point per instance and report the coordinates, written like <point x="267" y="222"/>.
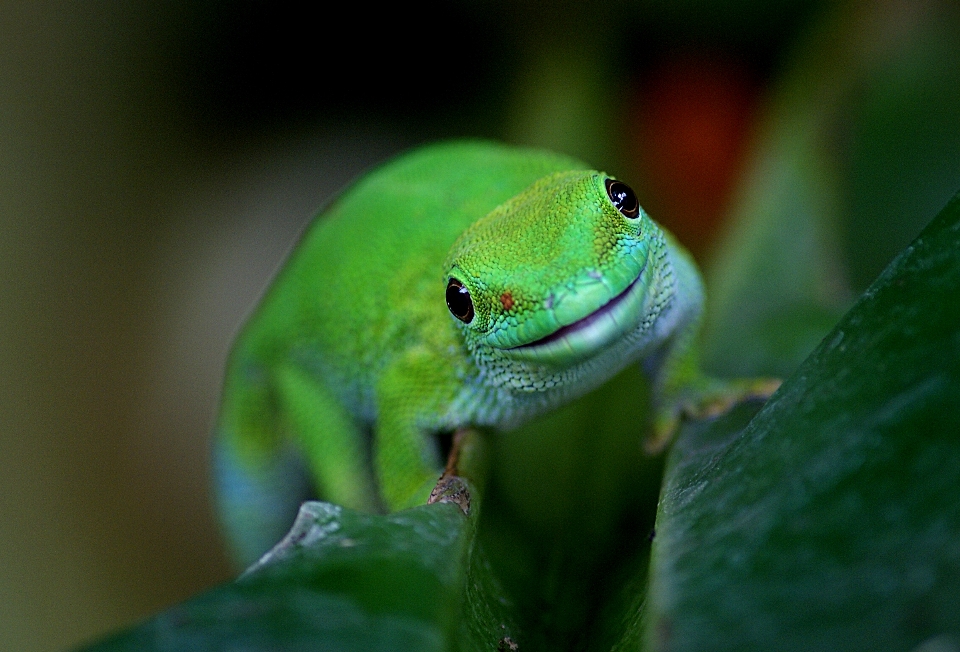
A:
<point x="460" y="284"/>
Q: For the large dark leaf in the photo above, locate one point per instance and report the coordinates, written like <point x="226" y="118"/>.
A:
<point x="832" y="521"/>
<point x="342" y="581"/>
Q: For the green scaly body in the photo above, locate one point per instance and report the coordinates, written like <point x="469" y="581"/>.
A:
<point x="356" y="336"/>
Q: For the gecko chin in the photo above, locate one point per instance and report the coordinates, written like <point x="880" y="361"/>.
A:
<point x="590" y="334"/>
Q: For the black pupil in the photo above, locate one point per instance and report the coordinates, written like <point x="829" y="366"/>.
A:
<point x="623" y="198"/>
<point x="459" y="301"/>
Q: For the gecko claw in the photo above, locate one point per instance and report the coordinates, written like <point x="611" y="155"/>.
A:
<point x="451" y="489"/>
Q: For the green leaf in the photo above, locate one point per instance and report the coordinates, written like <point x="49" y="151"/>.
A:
<point x="342" y="580"/>
<point x="832" y="520"/>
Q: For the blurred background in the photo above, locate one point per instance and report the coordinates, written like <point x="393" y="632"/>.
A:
<point x="157" y="160"/>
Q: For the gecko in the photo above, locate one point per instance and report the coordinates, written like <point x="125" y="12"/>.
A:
<point x="460" y="284"/>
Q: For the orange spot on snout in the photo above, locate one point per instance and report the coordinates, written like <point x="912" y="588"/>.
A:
<point x="506" y="300"/>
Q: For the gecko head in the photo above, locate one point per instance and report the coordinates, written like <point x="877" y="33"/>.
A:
<point x="556" y="274"/>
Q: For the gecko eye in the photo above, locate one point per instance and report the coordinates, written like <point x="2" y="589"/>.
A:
<point x="623" y="198"/>
<point x="459" y="301"/>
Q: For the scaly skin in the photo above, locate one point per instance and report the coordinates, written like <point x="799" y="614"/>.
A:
<point x="355" y="335"/>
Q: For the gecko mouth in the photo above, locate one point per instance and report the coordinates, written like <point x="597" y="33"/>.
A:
<point x="591" y="333"/>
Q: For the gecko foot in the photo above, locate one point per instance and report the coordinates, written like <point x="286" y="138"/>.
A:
<point x="451" y="488"/>
<point x="712" y="399"/>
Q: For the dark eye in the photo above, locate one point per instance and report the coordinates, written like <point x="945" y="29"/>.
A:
<point x="459" y="301"/>
<point x="623" y="198"/>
